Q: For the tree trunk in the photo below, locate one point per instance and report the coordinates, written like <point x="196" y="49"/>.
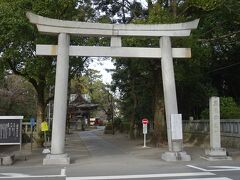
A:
<point x="174" y="8"/>
<point x="68" y="101"/>
<point x="132" y="117"/>
<point x="150" y="5"/>
<point x="160" y="128"/>
<point x="123" y="12"/>
<point x="40" y="107"/>
<point x="40" y="116"/>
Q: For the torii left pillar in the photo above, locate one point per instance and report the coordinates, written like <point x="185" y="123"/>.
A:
<point x="57" y="155"/>
<point x="170" y="99"/>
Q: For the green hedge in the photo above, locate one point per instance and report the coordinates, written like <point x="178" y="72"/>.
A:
<point x="229" y="109"/>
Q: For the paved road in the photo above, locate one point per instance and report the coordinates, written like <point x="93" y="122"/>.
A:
<point x="116" y="158"/>
<point x="118" y="161"/>
<point x="99" y="147"/>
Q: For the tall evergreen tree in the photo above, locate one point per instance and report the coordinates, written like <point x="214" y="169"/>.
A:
<point x="18" y="39"/>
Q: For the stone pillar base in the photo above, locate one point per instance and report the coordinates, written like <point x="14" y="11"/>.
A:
<point x="56" y="159"/>
<point x="7" y="160"/>
<point x="216" y="154"/>
<point x="176" y="156"/>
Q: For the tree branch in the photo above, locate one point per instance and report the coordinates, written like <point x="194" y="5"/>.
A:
<point x="15" y="71"/>
<point x="219" y="37"/>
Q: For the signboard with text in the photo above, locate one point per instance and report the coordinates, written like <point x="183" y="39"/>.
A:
<point x="10" y="130"/>
<point x="44" y="126"/>
<point x="144" y="128"/>
<point x="176" y="126"/>
<point x="145" y="124"/>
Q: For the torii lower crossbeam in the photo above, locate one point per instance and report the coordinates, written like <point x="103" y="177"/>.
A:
<point x="98" y="51"/>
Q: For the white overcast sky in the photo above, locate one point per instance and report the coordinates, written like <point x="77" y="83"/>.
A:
<point x="101" y="65"/>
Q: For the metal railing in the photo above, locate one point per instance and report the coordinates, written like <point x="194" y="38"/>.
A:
<point x="26" y="126"/>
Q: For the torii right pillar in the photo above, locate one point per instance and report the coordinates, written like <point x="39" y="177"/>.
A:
<point x="175" y="152"/>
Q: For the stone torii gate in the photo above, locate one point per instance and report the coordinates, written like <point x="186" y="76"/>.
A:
<point x="115" y="31"/>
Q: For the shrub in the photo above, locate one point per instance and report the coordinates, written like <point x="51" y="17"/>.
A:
<point x="228" y="109"/>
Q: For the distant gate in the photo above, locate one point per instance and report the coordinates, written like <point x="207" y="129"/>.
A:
<point x="115" y="31"/>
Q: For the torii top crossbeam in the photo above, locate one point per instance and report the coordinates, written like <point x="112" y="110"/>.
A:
<point x="115" y="31"/>
<point x="55" y="26"/>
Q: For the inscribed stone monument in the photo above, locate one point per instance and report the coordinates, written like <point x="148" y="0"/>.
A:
<point x="216" y="152"/>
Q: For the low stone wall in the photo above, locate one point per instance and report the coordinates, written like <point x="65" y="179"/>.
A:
<point x="203" y="140"/>
<point x="197" y="132"/>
